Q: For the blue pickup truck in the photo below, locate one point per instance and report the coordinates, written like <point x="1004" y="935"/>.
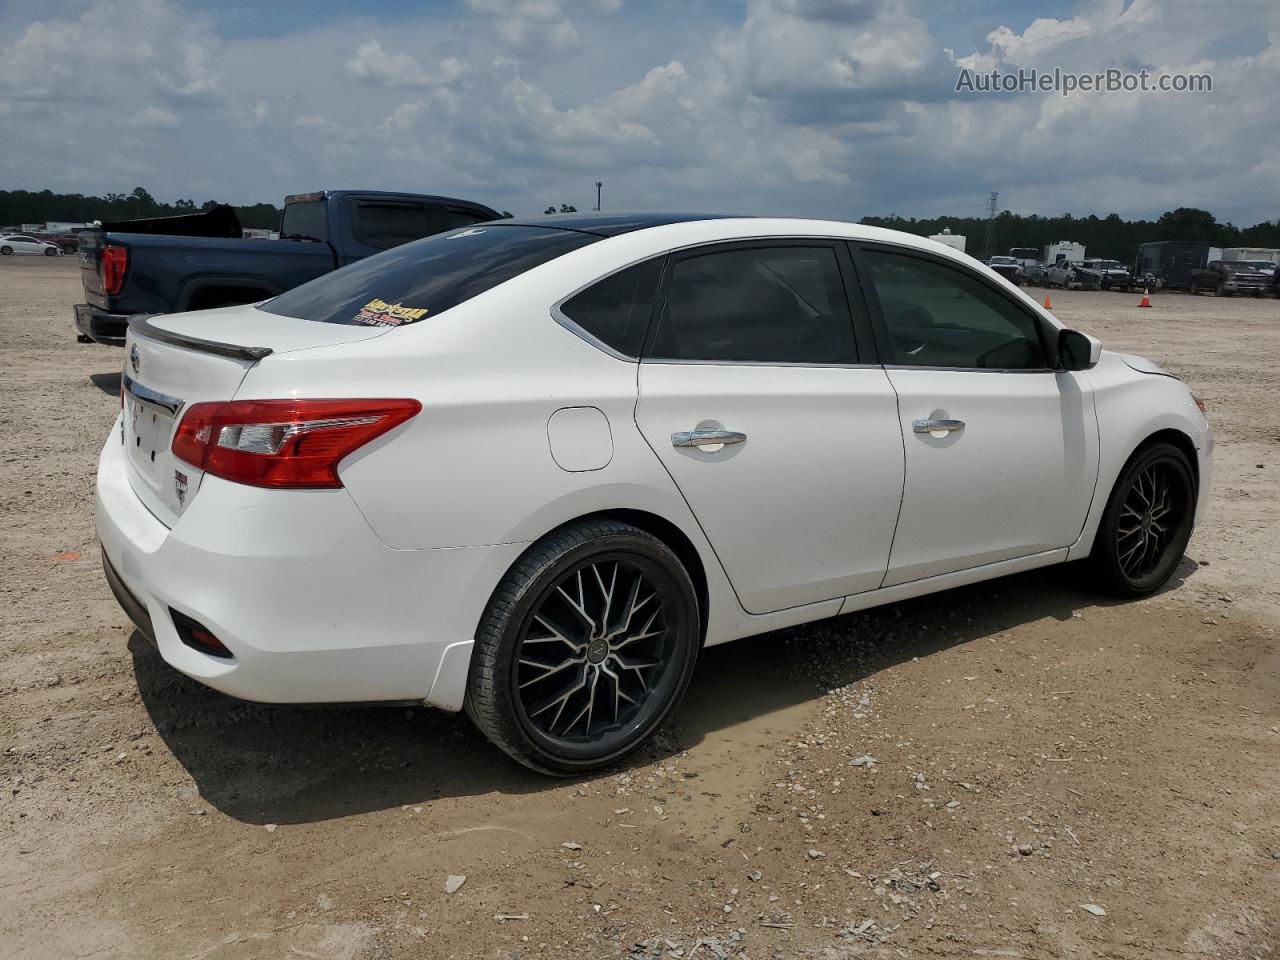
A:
<point x="199" y="261"/>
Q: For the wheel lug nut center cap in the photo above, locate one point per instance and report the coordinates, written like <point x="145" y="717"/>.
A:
<point x="597" y="650"/>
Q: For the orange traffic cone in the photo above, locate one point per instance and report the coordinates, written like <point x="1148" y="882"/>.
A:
<point x="1146" y="298"/>
<point x="1048" y="305"/>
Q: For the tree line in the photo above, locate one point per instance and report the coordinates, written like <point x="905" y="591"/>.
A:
<point x="27" y="206"/>
<point x="1108" y="236"/>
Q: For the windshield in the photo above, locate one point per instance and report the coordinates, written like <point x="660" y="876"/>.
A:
<point x="1004" y="261"/>
<point x="1261" y="265"/>
<point x="422" y="279"/>
<point x="1238" y="265"/>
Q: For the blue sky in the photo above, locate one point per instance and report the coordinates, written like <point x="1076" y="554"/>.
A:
<point x="833" y="108"/>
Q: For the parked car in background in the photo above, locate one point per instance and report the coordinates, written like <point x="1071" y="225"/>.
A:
<point x="1227" y="278"/>
<point x="1028" y="258"/>
<point x="1072" y="275"/>
<point x="1267" y="267"/>
<point x="709" y="441"/>
<point x="199" y="261"/>
<point x="1112" y="274"/>
<point x="19" y="243"/>
<point x="1033" y="273"/>
<point x="1007" y="267"/>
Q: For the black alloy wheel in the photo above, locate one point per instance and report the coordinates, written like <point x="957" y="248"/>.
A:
<point x="1148" y="521"/>
<point x="587" y="647"/>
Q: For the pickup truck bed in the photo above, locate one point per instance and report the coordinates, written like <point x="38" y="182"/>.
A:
<point x="199" y="261"/>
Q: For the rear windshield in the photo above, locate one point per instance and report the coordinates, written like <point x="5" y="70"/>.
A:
<point x="308" y="220"/>
<point x="422" y="279"/>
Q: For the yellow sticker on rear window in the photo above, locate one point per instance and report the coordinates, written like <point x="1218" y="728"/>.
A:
<point x="379" y="313"/>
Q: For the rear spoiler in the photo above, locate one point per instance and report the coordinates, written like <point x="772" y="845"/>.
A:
<point x="141" y="324"/>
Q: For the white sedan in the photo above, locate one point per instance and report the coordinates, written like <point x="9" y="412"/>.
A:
<point x="19" y="243"/>
<point x="530" y="468"/>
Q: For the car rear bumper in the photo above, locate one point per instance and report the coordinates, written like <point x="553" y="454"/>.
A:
<point x="101" y="326"/>
<point x="312" y="606"/>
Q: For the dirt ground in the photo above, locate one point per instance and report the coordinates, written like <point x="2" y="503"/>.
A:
<point x="1053" y="774"/>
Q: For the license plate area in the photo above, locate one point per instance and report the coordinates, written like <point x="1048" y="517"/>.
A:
<point x="148" y="430"/>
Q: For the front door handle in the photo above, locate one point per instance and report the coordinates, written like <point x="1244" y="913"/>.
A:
<point x="706" y="438"/>
<point x="938" y="425"/>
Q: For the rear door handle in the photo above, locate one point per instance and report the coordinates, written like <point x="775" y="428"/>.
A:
<point x="706" y="438"/>
<point x="936" y="425"/>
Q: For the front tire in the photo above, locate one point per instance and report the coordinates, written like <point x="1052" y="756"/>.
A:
<point x="6" y="251"/>
<point x="1147" y="522"/>
<point x="587" y="646"/>
<point x="50" y="252"/>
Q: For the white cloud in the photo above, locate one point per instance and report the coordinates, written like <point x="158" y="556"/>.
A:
<point x="371" y="62"/>
<point x="818" y="107"/>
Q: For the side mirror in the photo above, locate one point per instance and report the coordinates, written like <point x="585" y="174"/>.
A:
<point x="1078" y="351"/>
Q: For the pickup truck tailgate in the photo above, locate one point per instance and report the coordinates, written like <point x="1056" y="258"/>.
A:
<point x="174" y="361"/>
<point x="90" y="252"/>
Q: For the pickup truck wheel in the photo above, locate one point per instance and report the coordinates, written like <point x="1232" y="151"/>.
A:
<point x="1195" y="288"/>
<point x="1223" y="292"/>
<point x="6" y="251"/>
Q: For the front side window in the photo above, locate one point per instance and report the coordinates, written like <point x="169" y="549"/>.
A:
<point x="391" y="224"/>
<point x="781" y="304"/>
<point x="616" y="309"/>
<point x="938" y="316"/>
<point x="420" y="280"/>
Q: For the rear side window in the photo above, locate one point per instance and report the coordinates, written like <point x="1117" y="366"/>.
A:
<point x="305" y="221"/>
<point x="419" y="280"/>
<point x="938" y="316"/>
<point x="616" y="310"/>
<point x="757" y="304"/>
<point x="391" y="224"/>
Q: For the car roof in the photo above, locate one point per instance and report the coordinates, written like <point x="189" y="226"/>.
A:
<point x="613" y="224"/>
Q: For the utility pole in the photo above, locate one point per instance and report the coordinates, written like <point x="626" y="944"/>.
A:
<point x="989" y="241"/>
<point x="598" y="186"/>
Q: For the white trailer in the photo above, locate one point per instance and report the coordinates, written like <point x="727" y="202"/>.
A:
<point x="1063" y="250"/>
<point x="954" y="240"/>
<point x="1251" y="253"/>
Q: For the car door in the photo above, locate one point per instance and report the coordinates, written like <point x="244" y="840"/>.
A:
<point x="1001" y="448"/>
<point x="23" y="245"/>
<point x="785" y="446"/>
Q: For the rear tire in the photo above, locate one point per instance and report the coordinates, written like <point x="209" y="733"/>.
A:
<point x="1147" y="522"/>
<point x="587" y="646"/>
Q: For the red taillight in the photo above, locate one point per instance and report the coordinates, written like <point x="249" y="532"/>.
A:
<point x="283" y="443"/>
<point x="114" y="263"/>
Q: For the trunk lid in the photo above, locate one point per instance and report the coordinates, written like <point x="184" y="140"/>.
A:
<point x="174" y="361"/>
